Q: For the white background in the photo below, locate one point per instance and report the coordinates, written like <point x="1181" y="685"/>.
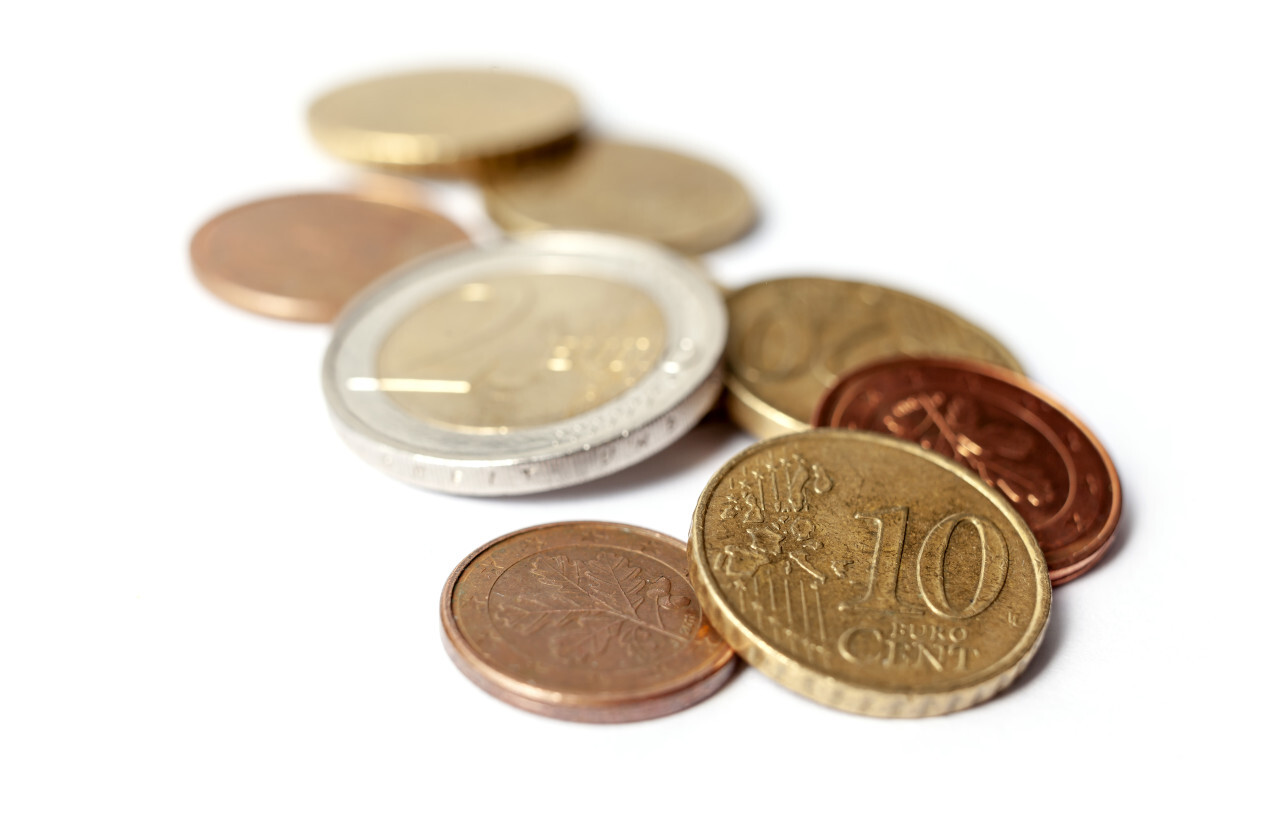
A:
<point x="208" y="606"/>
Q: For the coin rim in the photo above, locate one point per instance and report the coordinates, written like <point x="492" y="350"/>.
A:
<point x="618" y="707"/>
<point x="758" y="417"/>
<point x="825" y="688"/>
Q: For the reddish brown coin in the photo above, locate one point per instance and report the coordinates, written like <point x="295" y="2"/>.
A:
<point x="1018" y="439"/>
<point x="583" y="621"/>
<point x="303" y="257"/>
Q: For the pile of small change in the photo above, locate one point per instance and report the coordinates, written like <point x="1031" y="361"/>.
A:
<point x="887" y="548"/>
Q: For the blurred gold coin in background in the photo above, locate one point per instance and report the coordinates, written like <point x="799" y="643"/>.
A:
<point x="303" y="257"/>
<point x="615" y="187"/>
<point x="868" y="573"/>
<point x="792" y="338"/>
<point x="431" y="120"/>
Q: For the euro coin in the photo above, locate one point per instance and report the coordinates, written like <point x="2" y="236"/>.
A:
<point x="791" y="338"/>
<point x="303" y="257"/>
<point x="442" y="119"/>
<point x="527" y="365"/>
<point x="617" y="187"/>
<point x="583" y="621"/>
<point x="1009" y="432"/>
<point x="868" y="573"/>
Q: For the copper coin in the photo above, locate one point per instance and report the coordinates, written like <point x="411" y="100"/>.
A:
<point x="1018" y="439"/>
<point x="303" y="257"/>
<point x="584" y="621"/>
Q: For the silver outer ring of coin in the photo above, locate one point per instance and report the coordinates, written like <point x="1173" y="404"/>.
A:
<point x="665" y="403"/>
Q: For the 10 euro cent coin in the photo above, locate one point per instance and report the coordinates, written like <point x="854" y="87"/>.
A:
<point x="868" y="574"/>
<point x="526" y="365"/>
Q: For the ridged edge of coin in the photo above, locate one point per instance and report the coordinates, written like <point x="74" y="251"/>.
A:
<point x="824" y="688"/>
<point x="654" y="702"/>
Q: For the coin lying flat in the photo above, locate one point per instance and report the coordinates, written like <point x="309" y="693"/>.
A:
<point x="616" y="187"/>
<point x="791" y="338"/>
<point x="303" y="257"/>
<point x="868" y="573"/>
<point x="583" y="621"/>
<point x="526" y="365"/>
<point x="1008" y="431"/>
<point x="439" y="118"/>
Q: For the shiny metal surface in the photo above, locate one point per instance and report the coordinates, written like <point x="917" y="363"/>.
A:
<point x="579" y="441"/>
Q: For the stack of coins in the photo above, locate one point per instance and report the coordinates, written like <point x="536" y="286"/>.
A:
<point x="888" y="547"/>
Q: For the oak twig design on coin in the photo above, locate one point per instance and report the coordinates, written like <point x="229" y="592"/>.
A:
<point x="608" y="600"/>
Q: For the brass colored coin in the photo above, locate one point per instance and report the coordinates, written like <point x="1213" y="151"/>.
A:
<point x="615" y="187"/>
<point x="439" y="118"/>
<point x="574" y="342"/>
<point x="868" y="573"/>
<point x="303" y="257"/>
<point x="583" y="621"/>
<point x="791" y="338"/>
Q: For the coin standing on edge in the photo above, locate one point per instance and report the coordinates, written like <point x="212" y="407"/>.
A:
<point x="1007" y="430"/>
<point x="584" y="621"/>
<point x="438" y="119"/>
<point x="303" y="257"/>
<point x="791" y="338"/>
<point x="526" y="365"/>
<point x="617" y="187"/>
<point x="868" y="573"/>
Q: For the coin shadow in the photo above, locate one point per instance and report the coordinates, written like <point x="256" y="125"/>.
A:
<point x="705" y="441"/>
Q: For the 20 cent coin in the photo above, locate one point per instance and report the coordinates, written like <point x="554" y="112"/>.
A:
<point x="791" y="338"/>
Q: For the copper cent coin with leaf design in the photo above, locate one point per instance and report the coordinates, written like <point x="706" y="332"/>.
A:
<point x="303" y="257"/>
<point x="1007" y="430"/>
<point x="585" y="621"/>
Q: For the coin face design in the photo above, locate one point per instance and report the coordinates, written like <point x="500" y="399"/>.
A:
<point x="791" y="338"/>
<point x="303" y="257"/>
<point x="616" y="187"/>
<point x="584" y="621"/>
<point x="527" y="365"/>
<point x="433" y="118"/>
<point x="530" y="350"/>
<point x="868" y="574"/>
<point x="1004" y="428"/>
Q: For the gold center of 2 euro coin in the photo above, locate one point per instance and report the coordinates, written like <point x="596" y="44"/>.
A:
<point x="869" y="574"/>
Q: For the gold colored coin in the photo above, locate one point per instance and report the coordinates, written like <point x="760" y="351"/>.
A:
<point x="431" y="119"/>
<point x="791" y="338"/>
<point x="868" y="573"/>
<point x="532" y="350"/>
<point x="615" y="187"/>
